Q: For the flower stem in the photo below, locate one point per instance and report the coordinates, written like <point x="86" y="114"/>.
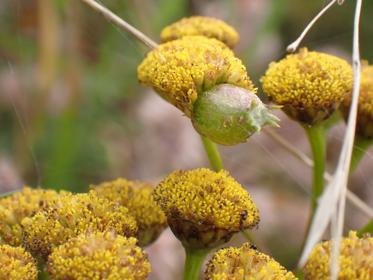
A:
<point x="248" y="236"/>
<point x="317" y="139"/>
<point x="360" y="147"/>
<point x="43" y="274"/>
<point x="212" y="154"/>
<point x="193" y="262"/>
<point x="368" y="228"/>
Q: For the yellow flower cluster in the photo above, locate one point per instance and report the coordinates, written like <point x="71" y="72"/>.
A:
<point x="72" y="215"/>
<point x="137" y="197"/>
<point x="16" y="264"/>
<point x="245" y="263"/>
<point x="99" y="256"/>
<point x="18" y="206"/>
<point x="204" y="26"/>
<point x="181" y="69"/>
<point x="355" y="260"/>
<point x="309" y="85"/>
<point x="204" y="207"/>
<point x="364" y="126"/>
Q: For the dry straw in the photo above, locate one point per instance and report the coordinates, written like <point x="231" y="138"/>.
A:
<point x="332" y="203"/>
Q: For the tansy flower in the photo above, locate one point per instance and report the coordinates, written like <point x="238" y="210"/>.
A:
<point x="204" y="26"/>
<point x="204" y="208"/>
<point x="99" y="256"/>
<point x="245" y="263"/>
<point x="73" y="215"/>
<point x="16" y="264"/>
<point x="182" y="69"/>
<point x="355" y="260"/>
<point x="18" y="206"/>
<point x="137" y="197"/>
<point x="364" y="125"/>
<point x="309" y="85"/>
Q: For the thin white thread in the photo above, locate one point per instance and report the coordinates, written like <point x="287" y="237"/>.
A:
<point x="353" y="198"/>
<point x="22" y="126"/>
<point x="109" y="15"/>
<point x="332" y="202"/>
<point x="349" y="141"/>
<point x="294" y="46"/>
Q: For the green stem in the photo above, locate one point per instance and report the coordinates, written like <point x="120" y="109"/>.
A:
<point x="317" y="138"/>
<point x="248" y="236"/>
<point x="43" y="274"/>
<point x="360" y="147"/>
<point x="212" y="154"/>
<point x="193" y="262"/>
<point x="368" y="228"/>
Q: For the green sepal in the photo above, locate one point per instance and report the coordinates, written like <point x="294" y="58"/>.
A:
<point x="229" y="115"/>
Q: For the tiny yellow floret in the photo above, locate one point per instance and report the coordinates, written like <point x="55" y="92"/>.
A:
<point x="21" y="205"/>
<point x="204" y="208"/>
<point x="99" y="256"/>
<point x="309" y="85"/>
<point x="73" y="215"/>
<point x="355" y="260"/>
<point x="245" y="263"/>
<point x="138" y="198"/>
<point x="181" y="69"/>
<point x="17" y="264"/>
<point x="364" y="125"/>
<point x="204" y="26"/>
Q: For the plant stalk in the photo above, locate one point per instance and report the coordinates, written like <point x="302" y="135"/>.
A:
<point x="317" y="139"/>
<point x="193" y="262"/>
<point x="367" y="229"/>
<point x="213" y="154"/>
<point x="360" y="147"/>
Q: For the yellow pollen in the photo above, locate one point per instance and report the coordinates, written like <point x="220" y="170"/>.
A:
<point x="138" y="198"/>
<point x="73" y="215"/>
<point x="245" y="263"/>
<point x="310" y="85"/>
<point x="355" y="260"/>
<point x="99" y="256"/>
<point x="17" y="264"/>
<point x="181" y="69"/>
<point x="204" y="26"/>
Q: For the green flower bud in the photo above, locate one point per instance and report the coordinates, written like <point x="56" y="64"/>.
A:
<point x="228" y="114"/>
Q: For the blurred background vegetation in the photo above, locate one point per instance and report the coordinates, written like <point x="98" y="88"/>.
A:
<point x="72" y="112"/>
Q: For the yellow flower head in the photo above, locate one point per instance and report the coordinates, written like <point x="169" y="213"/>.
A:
<point x="18" y="206"/>
<point x="309" y="85"/>
<point x="73" y="215"/>
<point x="137" y="197"/>
<point x="181" y="69"/>
<point x="245" y="263"/>
<point x="99" y="256"/>
<point x="355" y="260"/>
<point x="364" y="125"/>
<point x="17" y="264"/>
<point x="204" y="208"/>
<point x="204" y="26"/>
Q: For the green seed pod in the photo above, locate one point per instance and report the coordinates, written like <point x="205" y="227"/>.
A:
<point x="228" y="114"/>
